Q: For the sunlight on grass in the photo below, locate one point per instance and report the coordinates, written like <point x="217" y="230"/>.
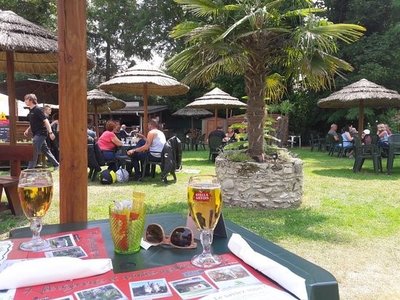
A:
<point x="338" y="206"/>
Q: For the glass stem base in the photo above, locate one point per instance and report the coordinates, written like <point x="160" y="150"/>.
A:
<point x="206" y="259"/>
<point x="36" y="244"/>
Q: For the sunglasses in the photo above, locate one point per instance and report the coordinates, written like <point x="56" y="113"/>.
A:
<point x="181" y="237"/>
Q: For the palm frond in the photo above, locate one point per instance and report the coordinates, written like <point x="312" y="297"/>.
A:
<point x="203" y="8"/>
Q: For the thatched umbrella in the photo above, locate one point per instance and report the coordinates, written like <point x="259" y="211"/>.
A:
<point x="216" y="99"/>
<point x="145" y="80"/>
<point x="362" y="93"/>
<point x="24" y="47"/>
<point x="101" y="102"/>
<point x="192" y="113"/>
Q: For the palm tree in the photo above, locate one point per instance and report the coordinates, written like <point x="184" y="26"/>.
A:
<point x="257" y="38"/>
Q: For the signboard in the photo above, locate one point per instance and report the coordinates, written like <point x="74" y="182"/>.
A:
<point x="4" y="128"/>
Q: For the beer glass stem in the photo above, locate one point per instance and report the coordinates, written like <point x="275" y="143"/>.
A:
<point x="36" y="228"/>
<point x="206" y="238"/>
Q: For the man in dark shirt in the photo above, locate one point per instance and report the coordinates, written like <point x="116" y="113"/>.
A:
<point x="40" y="127"/>
<point x="217" y="132"/>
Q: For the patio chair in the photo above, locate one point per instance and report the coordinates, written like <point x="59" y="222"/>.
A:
<point x="317" y="142"/>
<point x="394" y="149"/>
<point x="362" y="152"/>
<point x="333" y="146"/>
<point x="215" y="144"/>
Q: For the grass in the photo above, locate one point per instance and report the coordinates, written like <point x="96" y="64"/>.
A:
<point x="348" y="223"/>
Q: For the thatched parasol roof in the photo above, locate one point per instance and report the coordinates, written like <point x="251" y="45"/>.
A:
<point x="192" y="112"/>
<point x="101" y="102"/>
<point x="34" y="47"/>
<point x="145" y="80"/>
<point x="216" y="98"/>
<point x="372" y="94"/>
<point x="361" y="94"/>
<point x="134" y="79"/>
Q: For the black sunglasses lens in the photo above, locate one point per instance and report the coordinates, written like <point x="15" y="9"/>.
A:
<point x="181" y="237"/>
<point x="154" y="234"/>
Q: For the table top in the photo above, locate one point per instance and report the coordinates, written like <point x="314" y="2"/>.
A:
<point x="320" y="283"/>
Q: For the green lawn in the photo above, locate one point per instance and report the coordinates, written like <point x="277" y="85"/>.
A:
<point x="338" y="205"/>
<point x="341" y="213"/>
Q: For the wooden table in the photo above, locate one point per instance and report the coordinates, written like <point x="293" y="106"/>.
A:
<point x="321" y="285"/>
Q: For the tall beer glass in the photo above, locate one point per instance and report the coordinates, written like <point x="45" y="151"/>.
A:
<point x="35" y="190"/>
<point x="205" y="204"/>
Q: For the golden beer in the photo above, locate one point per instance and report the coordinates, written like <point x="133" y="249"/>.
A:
<point x="205" y="204"/>
<point x="35" y="201"/>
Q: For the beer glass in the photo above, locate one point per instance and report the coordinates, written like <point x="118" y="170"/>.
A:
<point x="35" y="191"/>
<point x="205" y="204"/>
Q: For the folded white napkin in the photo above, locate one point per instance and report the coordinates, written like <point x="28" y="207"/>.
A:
<point x="46" y="270"/>
<point x="282" y="275"/>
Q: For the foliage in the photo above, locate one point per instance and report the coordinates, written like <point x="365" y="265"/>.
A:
<point x="41" y="12"/>
<point x="255" y="39"/>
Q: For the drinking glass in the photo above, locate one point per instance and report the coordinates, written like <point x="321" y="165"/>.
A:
<point x="205" y="204"/>
<point x="35" y="190"/>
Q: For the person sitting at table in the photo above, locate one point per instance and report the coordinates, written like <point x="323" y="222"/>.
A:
<point x="122" y="134"/>
<point x="383" y="136"/>
<point x="108" y="143"/>
<point x="230" y="136"/>
<point x="333" y="132"/>
<point x="154" y="143"/>
<point x="217" y="132"/>
<point x="347" y="142"/>
<point x="366" y="138"/>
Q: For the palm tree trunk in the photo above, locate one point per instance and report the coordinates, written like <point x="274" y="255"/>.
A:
<point x="255" y="90"/>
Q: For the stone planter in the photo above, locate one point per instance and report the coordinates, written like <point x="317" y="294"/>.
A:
<point x="266" y="185"/>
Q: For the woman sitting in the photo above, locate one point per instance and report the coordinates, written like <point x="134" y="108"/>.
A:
<point x="347" y="142"/>
<point x="108" y="144"/>
<point x="230" y="136"/>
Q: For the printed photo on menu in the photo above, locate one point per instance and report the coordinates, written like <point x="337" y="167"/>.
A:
<point x="70" y="251"/>
<point x="231" y="276"/>
<point x="62" y="241"/>
<point x="64" y="298"/>
<point x="150" y="289"/>
<point x="193" y="287"/>
<point x="104" y="292"/>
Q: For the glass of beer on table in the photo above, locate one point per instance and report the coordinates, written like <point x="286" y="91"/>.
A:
<point x="205" y="204"/>
<point x="35" y="191"/>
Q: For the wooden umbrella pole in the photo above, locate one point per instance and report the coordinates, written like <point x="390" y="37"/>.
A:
<point x="361" y="117"/>
<point x="15" y="165"/>
<point x="145" y="110"/>
<point x="216" y="118"/>
<point x="96" y="121"/>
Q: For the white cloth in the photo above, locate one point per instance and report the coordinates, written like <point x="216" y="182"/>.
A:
<point x="280" y="274"/>
<point x="46" y="270"/>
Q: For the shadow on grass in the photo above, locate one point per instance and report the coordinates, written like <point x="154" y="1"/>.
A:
<point x="281" y="224"/>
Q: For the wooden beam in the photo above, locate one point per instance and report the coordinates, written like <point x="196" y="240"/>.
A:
<point x="72" y="90"/>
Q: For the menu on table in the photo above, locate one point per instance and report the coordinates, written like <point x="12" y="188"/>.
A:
<point x="176" y="281"/>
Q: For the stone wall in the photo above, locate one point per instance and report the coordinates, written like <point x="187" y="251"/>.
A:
<point x="266" y="185"/>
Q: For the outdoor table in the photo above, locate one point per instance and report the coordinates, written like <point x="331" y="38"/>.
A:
<point x="293" y="138"/>
<point x="320" y="283"/>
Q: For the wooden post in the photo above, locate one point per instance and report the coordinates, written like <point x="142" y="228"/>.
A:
<point x="361" y="117"/>
<point x="72" y="90"/>
<point x="145" y="110"/>
<point x="15" y="164"/>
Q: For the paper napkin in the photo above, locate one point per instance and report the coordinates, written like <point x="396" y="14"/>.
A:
<point x="282" y="275"/>
<point x="46" y="270"/>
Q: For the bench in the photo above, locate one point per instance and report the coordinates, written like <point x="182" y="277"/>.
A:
<point x="10" y="185"/>
<point x="15" y="154"/>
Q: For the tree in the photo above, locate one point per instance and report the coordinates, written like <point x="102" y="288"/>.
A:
<point x="256" y="38"/>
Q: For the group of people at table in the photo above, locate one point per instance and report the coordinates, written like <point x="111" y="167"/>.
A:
<point x="146" y="147"/>
<point x="348" y="134"/>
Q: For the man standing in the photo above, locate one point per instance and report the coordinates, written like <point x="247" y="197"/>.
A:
<point x="40" y="127"/>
